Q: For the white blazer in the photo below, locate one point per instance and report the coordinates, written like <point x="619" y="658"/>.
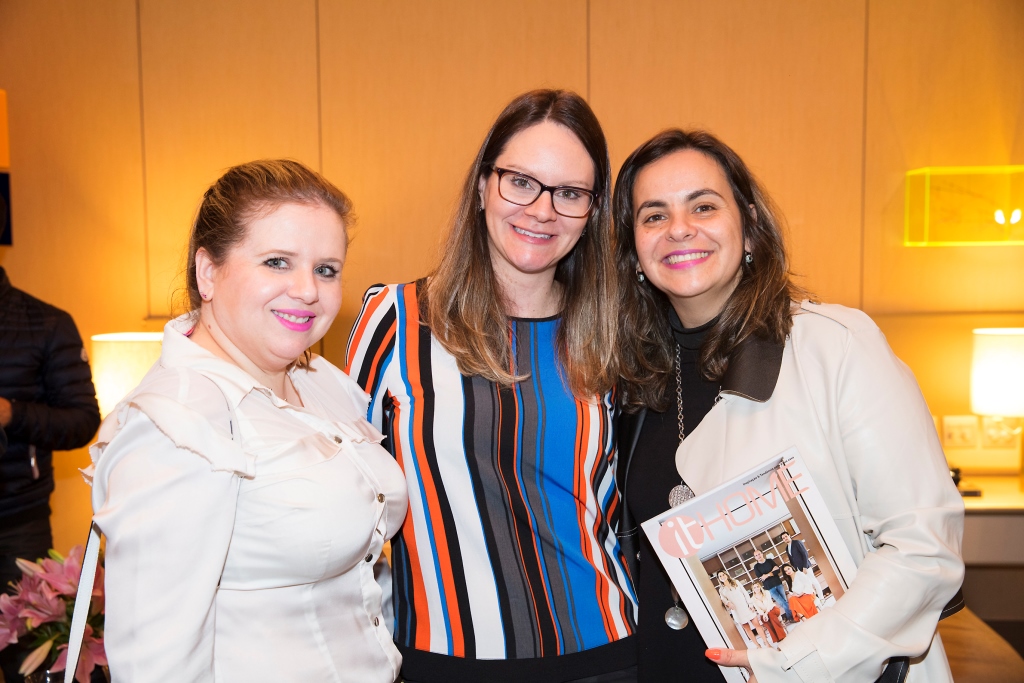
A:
<point x="860" y="422"/>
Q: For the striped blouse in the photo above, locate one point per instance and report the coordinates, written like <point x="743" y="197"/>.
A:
<point x="507" y="551"/>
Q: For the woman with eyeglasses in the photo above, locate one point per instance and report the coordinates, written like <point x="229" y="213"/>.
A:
<point x="492" y="379"/>
<point x="723" y="367"/>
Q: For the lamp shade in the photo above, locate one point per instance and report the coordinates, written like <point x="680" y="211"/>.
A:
<point x="119" y="362"/>
<point x="997" y="372"/>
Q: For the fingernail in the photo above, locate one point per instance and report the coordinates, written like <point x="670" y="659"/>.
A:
<point x="713" y="653"/>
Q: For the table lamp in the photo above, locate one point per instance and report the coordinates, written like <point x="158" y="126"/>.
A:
<point x="119" y="362"/>
<point x="997" y="384"/>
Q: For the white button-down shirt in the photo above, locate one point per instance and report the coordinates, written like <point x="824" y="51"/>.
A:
<point x="244" y="534"/>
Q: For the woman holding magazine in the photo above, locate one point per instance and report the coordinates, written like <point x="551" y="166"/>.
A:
<point x="725" y="364"/>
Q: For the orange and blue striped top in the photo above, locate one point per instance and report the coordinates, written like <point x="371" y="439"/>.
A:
<point x="507" y="551"/>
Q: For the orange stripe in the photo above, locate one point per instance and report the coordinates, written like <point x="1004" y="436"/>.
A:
<point x="409" y="535"/>
<point x="412" y="340"/>
<point x="371" y="378"/>
<point x="364" y="319"/>
<point x="602" y="519"/>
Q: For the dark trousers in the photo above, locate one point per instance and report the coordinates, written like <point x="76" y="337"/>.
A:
<point x="29" y="540"/>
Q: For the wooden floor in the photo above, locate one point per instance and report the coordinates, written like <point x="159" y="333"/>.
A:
<point x="977" y="653"/>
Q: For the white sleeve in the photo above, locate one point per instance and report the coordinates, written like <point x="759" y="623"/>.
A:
<point x="910" y="514"/>
<point x="167" y="514"/>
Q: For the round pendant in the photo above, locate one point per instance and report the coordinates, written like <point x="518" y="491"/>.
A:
<point x="679" y="494"/>
<point x="676" y="617"/>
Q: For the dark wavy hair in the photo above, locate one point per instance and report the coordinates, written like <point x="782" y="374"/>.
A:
<point x="760" y="305"/>
<point x="463" y="303"/>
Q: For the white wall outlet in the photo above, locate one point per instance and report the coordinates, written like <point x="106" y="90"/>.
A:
<point x="987" y="445"/>
<point x="960" y="431"/>
<point x="1000" y="432"/>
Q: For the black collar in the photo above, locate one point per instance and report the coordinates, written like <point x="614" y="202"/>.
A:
<point x="5" y="283"/>
<point x="754" y="369"/>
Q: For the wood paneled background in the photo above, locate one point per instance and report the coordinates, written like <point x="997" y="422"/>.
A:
<point x="123" y="111"/>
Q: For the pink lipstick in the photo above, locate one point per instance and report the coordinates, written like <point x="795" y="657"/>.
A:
<point x="686" y="258"/>
<point x="297" y="321"/>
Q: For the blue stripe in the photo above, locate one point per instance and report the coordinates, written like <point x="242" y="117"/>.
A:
<point x="536" y="361"/>
<point x="539" y="479"/>
<point x="560" y="437"/>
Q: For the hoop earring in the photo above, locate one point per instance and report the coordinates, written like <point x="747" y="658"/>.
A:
<point x="748" y="258"/>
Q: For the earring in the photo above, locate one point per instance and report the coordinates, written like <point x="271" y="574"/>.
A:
<point x="748" y="258"/>
<point x="640" y="275"/>
<point x="204" y="296"/>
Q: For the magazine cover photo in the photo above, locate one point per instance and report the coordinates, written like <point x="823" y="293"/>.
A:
<point x="755" y="558"/>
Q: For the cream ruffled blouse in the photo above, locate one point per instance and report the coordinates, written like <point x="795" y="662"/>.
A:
<point x="244" y="534"/>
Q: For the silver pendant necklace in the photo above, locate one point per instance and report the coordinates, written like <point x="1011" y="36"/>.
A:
<point x="675" y="616"/>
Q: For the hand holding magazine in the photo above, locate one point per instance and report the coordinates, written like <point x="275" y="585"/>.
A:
<point x="751" y="551"/>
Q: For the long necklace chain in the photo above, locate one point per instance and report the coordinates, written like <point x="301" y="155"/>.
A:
<point x="680" y="493"/>
<point x="676" y="616"/>
<point x="679" y="395"/>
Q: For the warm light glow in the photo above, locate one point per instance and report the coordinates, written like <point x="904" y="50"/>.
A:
<point x="997" y="372"/>
<point x="5" y="146"/>
<point x="959" y="206"/>
<point x="119" y="362"/>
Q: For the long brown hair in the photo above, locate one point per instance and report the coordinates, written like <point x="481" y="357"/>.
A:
<point x="760" y="305"/>
<point x="463" y="303"/>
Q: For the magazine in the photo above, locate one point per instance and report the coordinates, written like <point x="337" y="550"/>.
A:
<point x="768" y="531"/>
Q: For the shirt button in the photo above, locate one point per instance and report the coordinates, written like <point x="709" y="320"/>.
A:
<point x="337" y="439"/>
<point x="369" y="557"/>
<point x="380" y="497"/>
<point x="376" y="621"/>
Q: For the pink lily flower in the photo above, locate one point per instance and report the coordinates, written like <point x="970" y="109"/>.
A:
<point x="61" y="574"/>
<point x="12" y="626"/>
<point x="40" y="605"/>
<point x="92" y="655"/>
<point x="98" y="604"/>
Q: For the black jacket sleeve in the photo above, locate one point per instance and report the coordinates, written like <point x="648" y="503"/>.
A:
<point x="70" y="415"/>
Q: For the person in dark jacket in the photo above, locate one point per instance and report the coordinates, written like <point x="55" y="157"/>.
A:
<point x="797" y="552"/>
<point x="47" y="403"/>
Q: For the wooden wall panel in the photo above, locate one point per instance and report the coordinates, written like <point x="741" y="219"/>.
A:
<point x="224" y="82"/>
<point x="71" y="76"/>
<point x="409" y="91"/>
<point x="938" y="348"/>
<point x="781" y="83"/>
<point x="945" y="88"/>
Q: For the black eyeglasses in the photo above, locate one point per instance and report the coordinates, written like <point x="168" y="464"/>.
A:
<point x="521" y="189"/>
